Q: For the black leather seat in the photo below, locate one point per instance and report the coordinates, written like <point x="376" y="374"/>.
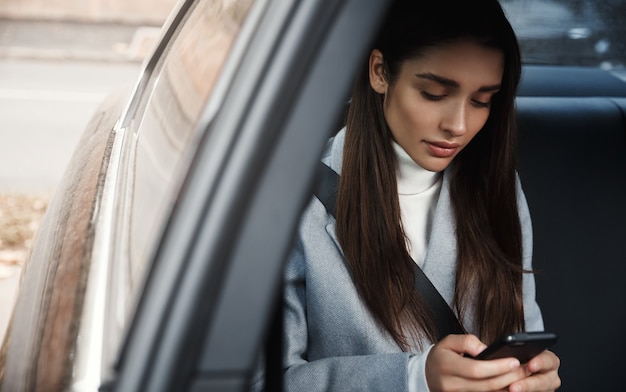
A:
<point x="573" y="169"/>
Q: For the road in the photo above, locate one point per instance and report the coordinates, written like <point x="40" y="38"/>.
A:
<point x="44" y="107"/>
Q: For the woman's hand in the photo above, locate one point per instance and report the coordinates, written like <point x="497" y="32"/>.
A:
<point x="543" y="374"/>
<point x="448" y="370"/>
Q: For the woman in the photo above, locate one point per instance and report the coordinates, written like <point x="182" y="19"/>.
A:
<point x="427" y="175"/>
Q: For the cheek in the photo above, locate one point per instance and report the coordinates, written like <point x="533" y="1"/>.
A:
<point x="403" y="111"/>
<point x="417" y="116"/>
<point x="477" y="121"/>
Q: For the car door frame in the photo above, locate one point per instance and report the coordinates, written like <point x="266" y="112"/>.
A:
<point x="207" y="304"/>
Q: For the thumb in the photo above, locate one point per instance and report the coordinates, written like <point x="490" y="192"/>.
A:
<point x="463" y="344"/>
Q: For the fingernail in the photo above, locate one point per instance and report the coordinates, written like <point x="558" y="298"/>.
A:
<point x="514" y="364"/>
<point x="515" y="388"/>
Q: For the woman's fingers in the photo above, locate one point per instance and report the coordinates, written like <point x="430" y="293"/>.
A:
<point x="543" y="362"/>
<point x="470" y="368"/>
<point x="447" y="369"/>
<point x="469" y="377"/>
<point x="544" y="368"/>
<point x="480" y="370"/>
<point x="463" y="344"/>
<point x="540" y="382"/>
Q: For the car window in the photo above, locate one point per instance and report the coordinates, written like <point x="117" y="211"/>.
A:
<point x="570" y="32"/>
<point x="183" y="83"/>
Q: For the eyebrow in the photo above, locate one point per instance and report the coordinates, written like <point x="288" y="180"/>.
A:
<point x="453" y="83"/>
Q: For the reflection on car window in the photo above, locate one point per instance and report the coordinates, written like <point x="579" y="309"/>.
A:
<point x="184" y="83"/>
<point x="570" y="32"/>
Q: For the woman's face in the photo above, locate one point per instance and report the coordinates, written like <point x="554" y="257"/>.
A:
<point x="440" y="100"/>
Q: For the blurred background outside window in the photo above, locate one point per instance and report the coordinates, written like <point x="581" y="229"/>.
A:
<point x="570" y="32"/>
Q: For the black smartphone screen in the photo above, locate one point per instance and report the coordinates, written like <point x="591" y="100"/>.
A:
<point x="523" y="346"/>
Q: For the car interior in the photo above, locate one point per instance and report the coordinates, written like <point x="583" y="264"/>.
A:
<point x="209" y="173"/>
<point x="572" y="151"/>
<point x="572" y="144"/>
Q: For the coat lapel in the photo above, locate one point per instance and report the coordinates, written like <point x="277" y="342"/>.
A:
<point x="440" y="259"/>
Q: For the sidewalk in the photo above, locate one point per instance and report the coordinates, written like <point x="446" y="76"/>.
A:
<point x="80" y="41"/>
<point x="135" y="12"/>
<point x="90" y="30"/>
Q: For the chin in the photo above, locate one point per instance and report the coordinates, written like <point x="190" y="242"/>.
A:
<point x="437" y="165"/>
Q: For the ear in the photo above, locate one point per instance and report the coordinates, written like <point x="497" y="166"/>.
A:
<point x="378" y="80"/>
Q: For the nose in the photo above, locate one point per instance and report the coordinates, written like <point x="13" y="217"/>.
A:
<point x="454" y="120"/>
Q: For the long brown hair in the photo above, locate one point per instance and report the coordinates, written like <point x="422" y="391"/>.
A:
<point x="482" y="184"/>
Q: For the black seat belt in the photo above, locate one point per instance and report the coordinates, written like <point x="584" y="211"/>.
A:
<point x="443" y="317"/>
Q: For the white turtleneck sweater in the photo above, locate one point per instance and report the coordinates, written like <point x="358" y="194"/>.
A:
<point x="418" y="192"/>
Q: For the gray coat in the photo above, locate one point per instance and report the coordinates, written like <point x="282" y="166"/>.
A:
<point x="332" y="342"/>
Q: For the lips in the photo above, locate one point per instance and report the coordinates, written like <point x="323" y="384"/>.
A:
<point x="442" y="149"/>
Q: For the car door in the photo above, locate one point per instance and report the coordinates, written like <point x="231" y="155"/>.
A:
<point x="211" y="288"/>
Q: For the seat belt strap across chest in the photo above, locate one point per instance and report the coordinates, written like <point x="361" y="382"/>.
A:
<point x="444" y="318"/>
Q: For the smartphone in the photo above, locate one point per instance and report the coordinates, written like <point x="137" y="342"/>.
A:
<point x="523" y="346"/>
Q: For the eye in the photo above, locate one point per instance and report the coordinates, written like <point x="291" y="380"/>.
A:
<point x="483" y="100"/>
<point x="481" y="104"/>
<point x="432" y="97"/>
